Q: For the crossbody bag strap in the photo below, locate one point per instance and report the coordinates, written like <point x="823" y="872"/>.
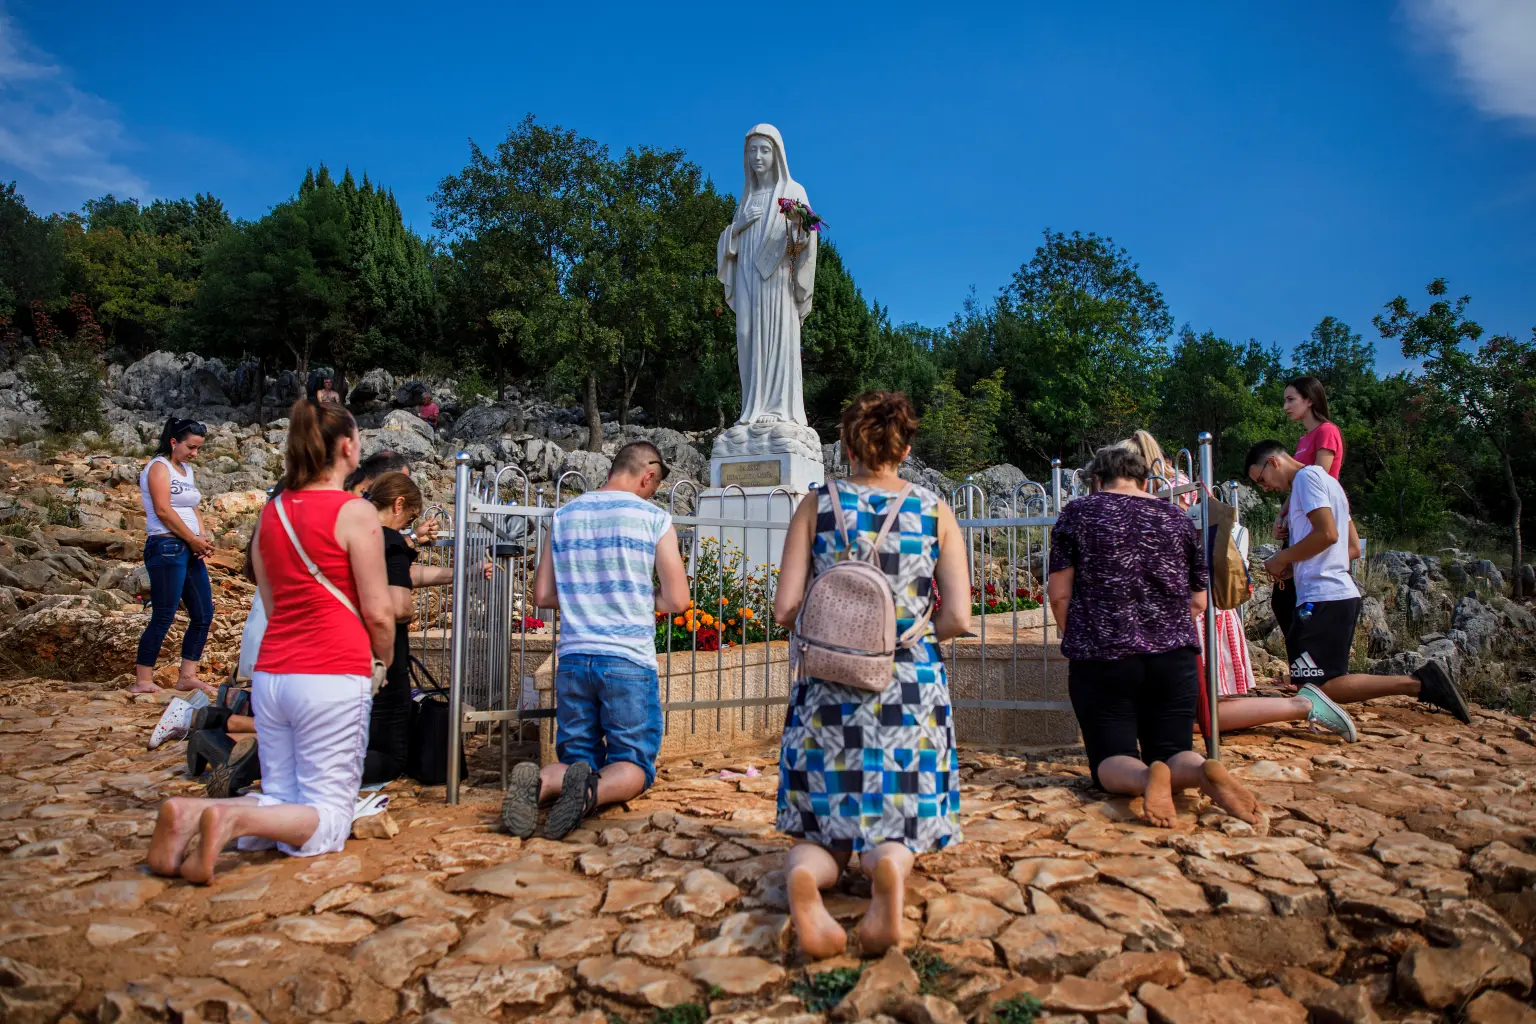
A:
<point x="890" y="521"/>
<point x="314" y="570"/>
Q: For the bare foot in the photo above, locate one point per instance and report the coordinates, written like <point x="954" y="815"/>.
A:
<point x="1229" y="794"/>
<point x="184" y="685"/>
<point x="174" y="829"/>
<point x="820" y="935"/>
<point x="881" y="927"/>
<point x="1157" y="804"/>
<point x="143" y="686"/>
<point x="215" y="829"/>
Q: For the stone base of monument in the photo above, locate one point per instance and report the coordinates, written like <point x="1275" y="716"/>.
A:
<point x="762" y="490"/>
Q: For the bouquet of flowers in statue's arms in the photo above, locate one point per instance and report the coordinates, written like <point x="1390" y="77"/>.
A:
<point x="800" y="215"/>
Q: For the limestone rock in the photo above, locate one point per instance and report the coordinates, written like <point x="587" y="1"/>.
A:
<point x="1498" y="1008"/>
<point x="484" y="989"/>
<point x="1157" y="880"/>
<point x="1439" y="977"/>
<point x="1126" y="912"/>
<point x="1132" y="970"/>
<point x="1461" y="922"/>
<point x="635" y="982"/>
<point x="756" y="932"/>
<point x="495" y="941"/>
<point x="628" y="894"/>
<point x="1049" y="874"/>
<point x="1199" y="1001"/>
<point x="375" y="826"/>
<point x="918" y="1009"/>
<point x="34" y="995"/>
<point x="958" y="916"/>
<point x="882" y="983"/>
<point x="737" y="975"/>
<point x="1504" y="867"/>
<point x="180" y="999"/>
<point x="1057" y="944"/>
<point x="527" y="877"/>
<point x="1413" y="848"/>
<point x="704" y="893"/>
<point x="659" y="939"/>
<point x="592" y="937"/>
<point x="391" y="956"/>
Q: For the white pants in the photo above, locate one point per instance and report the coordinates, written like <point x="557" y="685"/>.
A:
<point x="312" y="734"/>
<point x="250" y="639"/>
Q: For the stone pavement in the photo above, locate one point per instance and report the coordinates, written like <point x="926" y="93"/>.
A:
<point x="1394" y="881"/>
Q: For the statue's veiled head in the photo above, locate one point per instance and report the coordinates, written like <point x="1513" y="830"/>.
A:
<point x="762" y="160"/>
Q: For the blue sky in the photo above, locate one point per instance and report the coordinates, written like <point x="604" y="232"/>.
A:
<point x="1265" y="166"/>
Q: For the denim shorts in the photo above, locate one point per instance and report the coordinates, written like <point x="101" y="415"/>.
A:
<point x="607" y="709"/>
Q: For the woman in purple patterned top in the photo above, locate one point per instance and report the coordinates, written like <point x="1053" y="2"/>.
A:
<point x="1127" y="579"/>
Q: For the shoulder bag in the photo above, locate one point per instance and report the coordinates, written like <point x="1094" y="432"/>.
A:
<point x="377" y="679"/>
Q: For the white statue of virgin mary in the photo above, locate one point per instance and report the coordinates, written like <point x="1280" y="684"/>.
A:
<point x="770" y="292"/>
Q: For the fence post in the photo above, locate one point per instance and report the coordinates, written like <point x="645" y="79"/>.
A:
<point x="457" y="645"/>
<point x="1056" y="486"/>
<point x="1212" y="685"/>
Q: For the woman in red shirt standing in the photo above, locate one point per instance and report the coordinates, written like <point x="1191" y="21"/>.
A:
<point x="1322" y="445"/>
<point x="311" y="688"/>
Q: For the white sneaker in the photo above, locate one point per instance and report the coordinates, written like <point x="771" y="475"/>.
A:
<point x="175" y="720"/>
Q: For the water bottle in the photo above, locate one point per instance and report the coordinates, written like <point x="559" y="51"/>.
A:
<point x="1304" y="612"/>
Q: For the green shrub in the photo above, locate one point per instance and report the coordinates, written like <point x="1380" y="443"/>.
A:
<point x="68" y="386"/>
<point x="930" y="968"/>
<point x="1404" y="502"/>
<point x="821" y="992"/>
<point x="682" y="1013"/>
<point x="1021" y="1010"/>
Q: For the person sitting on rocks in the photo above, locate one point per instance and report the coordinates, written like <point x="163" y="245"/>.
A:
<point x="428" y="410"/>
<point x="319" y="561"/>
<point x="1127" y="579"/>
<point x="174" y="554"/>
<point x="875" y="773"/>
<point x="597" y="565"/>
<point x="327" y="393"/>
<point x="1322" y="536"/>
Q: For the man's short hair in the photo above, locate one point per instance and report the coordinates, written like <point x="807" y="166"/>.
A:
<point x="636" y="457"/>
<point x="1118" y="462"/>
<point x="376" y="465"/>
<point x="1261" y="451"/>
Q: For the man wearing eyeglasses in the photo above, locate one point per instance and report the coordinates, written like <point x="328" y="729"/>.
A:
<point x="610" y="563"/>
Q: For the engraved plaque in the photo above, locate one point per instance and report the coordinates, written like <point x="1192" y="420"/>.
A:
<point x="765" y="473"/>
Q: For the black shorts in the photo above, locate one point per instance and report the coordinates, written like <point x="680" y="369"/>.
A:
<point x="1142" y="706"/>
<point x="1317" y="644"/>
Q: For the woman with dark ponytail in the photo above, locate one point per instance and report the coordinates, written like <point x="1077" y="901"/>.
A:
<point x="173" y="554"/>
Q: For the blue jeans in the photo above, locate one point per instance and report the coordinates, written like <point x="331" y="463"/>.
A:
<point x="176" y="576"/>
<point x="607" y="709"/>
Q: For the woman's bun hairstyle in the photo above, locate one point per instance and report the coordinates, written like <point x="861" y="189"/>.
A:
<point x="878" y="427"/>
<point x="315" y="430"/>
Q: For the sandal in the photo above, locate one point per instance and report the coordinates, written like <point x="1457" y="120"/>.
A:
<point x="577" y="799"/>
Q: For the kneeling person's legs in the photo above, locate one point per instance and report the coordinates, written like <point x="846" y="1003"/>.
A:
<point x="631" y="722"/>
<point x="1317" y="644"/>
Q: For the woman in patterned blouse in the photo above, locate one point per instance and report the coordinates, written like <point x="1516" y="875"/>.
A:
<point x="1127" y="578"/>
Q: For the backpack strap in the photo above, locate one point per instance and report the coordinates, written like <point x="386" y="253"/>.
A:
<point x="890" y="521"/>
<point x="837" y="515"/>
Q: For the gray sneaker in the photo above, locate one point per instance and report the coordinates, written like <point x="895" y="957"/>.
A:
<point x="1328" y="715"/>
<point x="1438" y="688"/>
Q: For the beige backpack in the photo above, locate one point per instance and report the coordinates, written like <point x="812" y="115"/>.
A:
<point x="846" y="630"/>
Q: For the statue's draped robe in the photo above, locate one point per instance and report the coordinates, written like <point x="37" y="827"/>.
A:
<point x="771" y="295"/>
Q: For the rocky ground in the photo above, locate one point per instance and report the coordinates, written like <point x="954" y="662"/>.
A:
<point x="1393" y="880"/>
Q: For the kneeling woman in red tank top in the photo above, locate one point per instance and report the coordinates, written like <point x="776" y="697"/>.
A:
<point x="311" y="688"/>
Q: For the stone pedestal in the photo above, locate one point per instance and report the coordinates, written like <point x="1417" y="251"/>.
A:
<point x="763" y="491"/>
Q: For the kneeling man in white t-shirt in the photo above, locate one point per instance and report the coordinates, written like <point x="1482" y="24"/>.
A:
<point x="1323" y="539"/>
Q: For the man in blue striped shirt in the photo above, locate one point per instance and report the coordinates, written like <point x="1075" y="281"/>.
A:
<point x="600" y="565"/>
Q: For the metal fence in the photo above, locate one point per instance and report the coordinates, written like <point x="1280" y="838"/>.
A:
<point x="724" y="665"/>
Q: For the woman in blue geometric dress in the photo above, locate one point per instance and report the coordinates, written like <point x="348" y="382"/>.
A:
<point x="863" y="772"/>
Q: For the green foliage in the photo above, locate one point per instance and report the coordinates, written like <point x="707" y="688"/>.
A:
<point x="731" y="606"/>
<point x="822" y="991"/>
<point x="473" y="388"/>
<point x="682" y="1013"/>
<point x="1404" y="502"/>
<point x="958" y="433"/>
<point x="1019" y="1010"/>
<point x="930" y="968"/>
<point x="65" y="374"/>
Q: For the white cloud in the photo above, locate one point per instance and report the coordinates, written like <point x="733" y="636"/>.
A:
<point x="1493" y="45"/>
<point x="50" y="131"/>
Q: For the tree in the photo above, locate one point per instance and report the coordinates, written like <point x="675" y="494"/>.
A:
<point x="959" y="432"/>
<point x="1215" y="385"/>
<point x="31" y="254"/>
<point x="1491" y="390"/>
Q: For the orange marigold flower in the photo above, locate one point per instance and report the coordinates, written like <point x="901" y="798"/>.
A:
<point x="746" y="613"/>
<point x="677" y="620"/>
<point x="707" y="619"/>
<point x="730" y="622"/>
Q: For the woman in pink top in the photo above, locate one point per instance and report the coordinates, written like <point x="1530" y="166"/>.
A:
<point x="1306" y="401"/>
<point x="311" y="689"/>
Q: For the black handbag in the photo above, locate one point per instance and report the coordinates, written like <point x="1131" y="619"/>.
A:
<point x="427" y="754"/>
